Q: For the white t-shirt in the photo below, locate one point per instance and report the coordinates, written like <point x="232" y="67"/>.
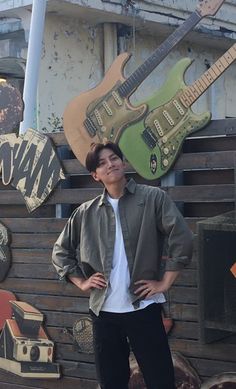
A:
<point x="118" y="296"/>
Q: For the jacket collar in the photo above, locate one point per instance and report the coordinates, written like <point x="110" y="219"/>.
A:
<point x="129" y="188"/>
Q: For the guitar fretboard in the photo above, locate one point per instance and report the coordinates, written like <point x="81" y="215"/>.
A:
<point x="158" y="55"/>
<point x="194" y="91"/>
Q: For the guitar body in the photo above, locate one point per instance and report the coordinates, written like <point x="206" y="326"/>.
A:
<point x="152" y="145"/>
<point x="100" y="114"/>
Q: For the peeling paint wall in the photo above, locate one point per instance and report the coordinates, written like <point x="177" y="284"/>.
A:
<point x="71" y="63"/>
<point x="72" y="55"/>
<point x="218" y="98"/>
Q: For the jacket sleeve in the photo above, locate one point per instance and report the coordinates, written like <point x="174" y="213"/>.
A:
<point x="66" y="250"/>
<point x="179" y="236"/>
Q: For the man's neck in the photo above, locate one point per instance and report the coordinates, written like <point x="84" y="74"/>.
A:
<point x="116" y="190"/>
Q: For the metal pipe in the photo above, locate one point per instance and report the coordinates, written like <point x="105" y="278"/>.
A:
<point x="33" y="63"/>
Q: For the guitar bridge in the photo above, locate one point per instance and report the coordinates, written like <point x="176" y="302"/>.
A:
<point x="90" y="127"/>
<point x="149" y="138"/>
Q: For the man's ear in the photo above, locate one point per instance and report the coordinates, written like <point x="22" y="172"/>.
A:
<point x="94" y="175"/>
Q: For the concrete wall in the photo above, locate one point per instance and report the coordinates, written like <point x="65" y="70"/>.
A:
<point x="71" y="63"/>
<point x="73" y="50"/>
<point x="219" y="98"/>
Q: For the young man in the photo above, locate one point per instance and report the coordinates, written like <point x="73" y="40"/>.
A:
<point x="112" y="247"/>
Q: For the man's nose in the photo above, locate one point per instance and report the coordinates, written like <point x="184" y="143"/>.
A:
<point x="109" y="163"/>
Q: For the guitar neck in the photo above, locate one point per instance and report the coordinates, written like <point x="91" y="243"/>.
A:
<point x="136" y="78"/>
<point x="194" y="91"/>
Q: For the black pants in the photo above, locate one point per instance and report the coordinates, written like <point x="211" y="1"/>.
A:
<point x="146" y="337"/>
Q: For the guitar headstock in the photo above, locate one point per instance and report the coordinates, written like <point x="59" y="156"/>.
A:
<point x="209" y="7"/>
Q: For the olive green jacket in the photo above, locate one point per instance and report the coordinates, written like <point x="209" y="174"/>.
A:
<point x="147" y="216"/>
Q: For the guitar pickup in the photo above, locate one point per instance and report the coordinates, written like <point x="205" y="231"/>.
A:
<point x="149" y="138"/>
<point x="90" y="127"/>
<point x="107" y="108"/>
<point x="117" y="98"/>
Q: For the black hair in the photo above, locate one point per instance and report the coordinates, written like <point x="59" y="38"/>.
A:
<point x="92" y="159"/>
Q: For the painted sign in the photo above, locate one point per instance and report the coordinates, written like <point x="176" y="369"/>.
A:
<point x="25" y="349"/>
<point x="30" y="163"/>
<point x="233" y="269"/>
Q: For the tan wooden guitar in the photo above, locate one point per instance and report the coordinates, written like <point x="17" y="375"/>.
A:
<point x="103" y="112"/>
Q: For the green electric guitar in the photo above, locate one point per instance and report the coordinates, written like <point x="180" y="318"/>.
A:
<point x="152" y="145"/>
<point x="103" y="113"/>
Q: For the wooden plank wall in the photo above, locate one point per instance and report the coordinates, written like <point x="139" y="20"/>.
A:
<point x="207" y="189"/>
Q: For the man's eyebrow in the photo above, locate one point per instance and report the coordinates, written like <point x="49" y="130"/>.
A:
<point x="100" y="159"/>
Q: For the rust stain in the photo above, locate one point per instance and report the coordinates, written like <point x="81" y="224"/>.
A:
<point x="11" y="107"/>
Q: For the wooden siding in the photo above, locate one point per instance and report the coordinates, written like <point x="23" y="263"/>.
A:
<point x="207" y="189"/>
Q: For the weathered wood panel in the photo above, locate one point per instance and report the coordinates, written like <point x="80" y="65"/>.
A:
<point x="25" y="255"/>
<point x="66" y="382"/>
<point x="13" y="210"/>
<point x="210" y="367"/>
<point x="195" y="193"/>
<point x="46" y="225"/>
<point x="32" y="285"/>
<point x="207" y="189"/>
<point x="216" y="350"/>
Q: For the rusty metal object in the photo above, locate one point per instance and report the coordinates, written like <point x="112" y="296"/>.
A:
<point x="5" y="254"/>
<point x="136" y="378"/>
<point x="185" y="376"/>
<point x="11" y="107"/>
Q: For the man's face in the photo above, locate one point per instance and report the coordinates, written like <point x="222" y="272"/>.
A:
<point x="110" y="168"/>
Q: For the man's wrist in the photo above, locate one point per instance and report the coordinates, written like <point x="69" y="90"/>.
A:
<point x="78" y="281"/>
<point x="170" y="277"/>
